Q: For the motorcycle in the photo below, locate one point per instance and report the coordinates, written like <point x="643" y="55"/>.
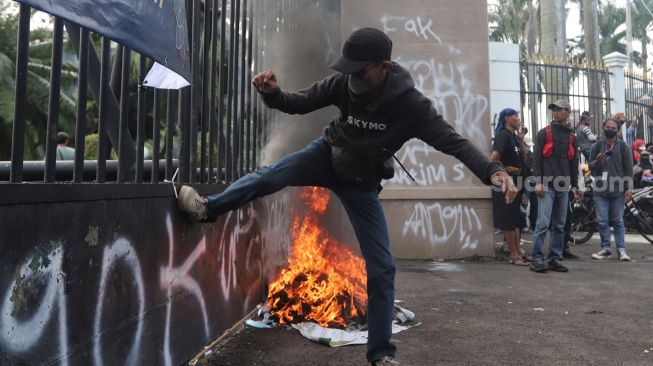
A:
<point x="638" y="215"/>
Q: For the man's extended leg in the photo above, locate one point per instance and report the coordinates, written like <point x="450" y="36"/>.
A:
<point x="310" y="166"/>
<point x="367" y="218"/>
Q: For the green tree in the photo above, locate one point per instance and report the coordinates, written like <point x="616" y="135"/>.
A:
<point x="554" y="45"/>
<point x="641" y="19"/>
<point x="38" y="85"/>
<point x="515" y="21"/>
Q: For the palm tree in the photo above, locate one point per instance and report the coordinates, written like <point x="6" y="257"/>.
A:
<point x="641" y="19"/>
<point x="38" y="85"/>
<point x="592" y="50"/>
<point x="554" y="45"/>
<point x="515" y="21"/>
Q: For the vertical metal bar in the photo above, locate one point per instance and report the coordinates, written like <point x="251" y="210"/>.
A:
<point x="82" y="90"/>
<point x="140" y="120"/>
<point x="230" y="96"/>
<point x="242" y="120"/>
<point x="112" y="100"/>
<point x="255" y="68"/>
<point x="206" y="81"/>
<point x="102" y="121"/>
<point x="195" y="92"/>
<point x="170" y="132"/>
<point x="124" y="114"/>
<point x="224" y="78"/>
<point x="213" y="66"/>
<point x="237" y="96"/>
<point x="53" y="101"/>
<point x="182" y="113"/>
<point x="184" y="139"/>
<point x="156" y="136"/>
<point x="20" y="97"/>
<point x="248" y="89"/>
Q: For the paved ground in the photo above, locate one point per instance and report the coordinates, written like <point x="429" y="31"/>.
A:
<point x="487" y="312"/>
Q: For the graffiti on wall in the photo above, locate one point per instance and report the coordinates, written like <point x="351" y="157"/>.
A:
<point x="440" y="224"/>
<point x="446" y="80"/>
<point x="135" y="288"/>
<point x="415" y="156"/>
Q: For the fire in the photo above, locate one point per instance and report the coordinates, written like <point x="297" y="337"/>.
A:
<point x="324" y="282"/>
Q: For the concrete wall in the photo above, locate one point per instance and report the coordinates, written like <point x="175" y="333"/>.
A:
<point x="448" y="215"/>
<point x="108" y="275"/>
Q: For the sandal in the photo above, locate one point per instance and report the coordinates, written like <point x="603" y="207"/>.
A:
<point x="519" y="261"/>
<point x="526" y="258"/>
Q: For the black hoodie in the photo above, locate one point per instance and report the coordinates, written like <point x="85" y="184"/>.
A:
<point x="377" y="130"/>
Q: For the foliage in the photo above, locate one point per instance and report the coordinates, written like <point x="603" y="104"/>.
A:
<point x="91" y="148"/>
<point x="508" y="22"/>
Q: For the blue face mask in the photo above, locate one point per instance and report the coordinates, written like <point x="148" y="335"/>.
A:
<point x="358" y="85"/>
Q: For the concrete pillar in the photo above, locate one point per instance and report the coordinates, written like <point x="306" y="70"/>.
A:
<point x="504" y="78"/>
<point x="616" y="63"/>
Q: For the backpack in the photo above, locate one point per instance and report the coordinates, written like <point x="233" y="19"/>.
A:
<point x="547" y="151"/>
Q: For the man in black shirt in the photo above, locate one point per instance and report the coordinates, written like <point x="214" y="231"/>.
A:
<point x="555" y="170"/>
<point x="380" y="110"/>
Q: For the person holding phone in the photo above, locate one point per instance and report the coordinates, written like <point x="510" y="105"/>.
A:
<point x="611" y="163"/>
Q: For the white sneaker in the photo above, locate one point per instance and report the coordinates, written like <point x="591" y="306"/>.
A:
<point x="192" y="203"/>
<point x="602" y="254"/>
<point x="623" y="256"/>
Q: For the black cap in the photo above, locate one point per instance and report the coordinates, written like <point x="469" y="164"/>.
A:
<point x="363" y="46"/>
<point x="560" y="103"/>
<point x="61" y="137"/>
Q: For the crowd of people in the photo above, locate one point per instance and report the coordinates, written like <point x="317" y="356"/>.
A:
<point x="554" y="173"/>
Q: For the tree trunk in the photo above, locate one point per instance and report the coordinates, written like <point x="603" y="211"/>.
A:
<point x="592" y="52"/>
<point x="554" y="46"/>
<point x="532" y="27"/>
<point x="645" y="41"/>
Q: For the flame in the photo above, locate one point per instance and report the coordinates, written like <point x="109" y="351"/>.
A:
<point x="324" y="282"/>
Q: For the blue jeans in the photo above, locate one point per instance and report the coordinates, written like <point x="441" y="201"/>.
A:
<point x="312" y="167"/>
<point x="610" y="213"/>
<point x="551" y="209"/>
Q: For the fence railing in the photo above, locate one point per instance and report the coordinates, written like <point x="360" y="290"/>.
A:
<point x="639" y="105"/>
<point x="586" y="88"/>
<point x="212" y="131"/>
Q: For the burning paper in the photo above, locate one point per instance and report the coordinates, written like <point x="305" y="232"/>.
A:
<point x="324" y="282"/>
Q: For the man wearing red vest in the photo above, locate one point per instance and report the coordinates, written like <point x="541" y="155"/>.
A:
<point x="555" y="170"/>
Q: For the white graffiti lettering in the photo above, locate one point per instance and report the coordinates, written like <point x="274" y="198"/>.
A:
<point x="22" y="335"/>
<point x="413" y="155"/>
<point x="173" y="278"/>
<point x="415" y="26"/>
<point x="120" y="251"/>
<point x="38" y="290"/>
<point x="452" y="93"/>
<point x="439" y="224"/>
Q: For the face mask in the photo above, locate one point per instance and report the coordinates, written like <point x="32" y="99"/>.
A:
<point x="609" y="133"/>
<point x="359" y="86"/>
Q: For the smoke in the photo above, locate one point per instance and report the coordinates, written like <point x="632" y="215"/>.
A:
<point x="300" y="53"/>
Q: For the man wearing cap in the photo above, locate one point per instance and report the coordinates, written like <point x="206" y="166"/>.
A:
<point x="586" y="138"/>
<point x="64" y="152"/>
<point x="380" y="110"/>
<point x="555" y="170"/>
